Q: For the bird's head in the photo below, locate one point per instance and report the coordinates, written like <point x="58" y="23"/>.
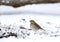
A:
<point x="32" y="21"/>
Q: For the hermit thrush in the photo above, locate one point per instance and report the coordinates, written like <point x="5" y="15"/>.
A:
<point x="35" y="26"/>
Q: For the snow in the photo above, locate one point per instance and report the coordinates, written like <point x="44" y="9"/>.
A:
<point x="39" y="8"/>
<point x="12" y="39"/>
<point x="46" y="15"/>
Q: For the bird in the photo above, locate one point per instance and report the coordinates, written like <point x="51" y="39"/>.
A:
<point x="35" y="26"/>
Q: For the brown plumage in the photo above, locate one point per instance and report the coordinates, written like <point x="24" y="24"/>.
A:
<point x="35" y="26"/>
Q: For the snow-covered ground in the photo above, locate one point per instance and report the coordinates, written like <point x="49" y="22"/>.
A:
<point x="46" y="15"/>
<point x="39" y="8"/>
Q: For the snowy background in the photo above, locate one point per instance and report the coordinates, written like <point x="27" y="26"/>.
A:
<point x="46" y="15"/>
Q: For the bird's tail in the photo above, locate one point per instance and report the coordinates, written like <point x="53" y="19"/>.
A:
<point x="43" y="29"/>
